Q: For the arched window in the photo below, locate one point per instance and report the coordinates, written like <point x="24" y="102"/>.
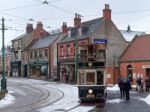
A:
<point x="129" y="72"/>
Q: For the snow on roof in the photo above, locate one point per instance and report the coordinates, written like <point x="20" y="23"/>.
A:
<point x="129" y="35"/>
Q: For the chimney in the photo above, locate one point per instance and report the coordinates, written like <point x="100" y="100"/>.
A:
<point x="64" y="28"/>
<point x="107" y="12"/>
<point x="39" y="25"/>
<point x="29" y="28"/>
<point x="128" y="29"/>
<point x="77" y="20"/>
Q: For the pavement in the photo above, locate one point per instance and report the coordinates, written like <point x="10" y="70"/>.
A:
<point x="132" y="105"/>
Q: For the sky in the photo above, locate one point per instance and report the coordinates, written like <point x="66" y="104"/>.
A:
<point x="18" y="13"/>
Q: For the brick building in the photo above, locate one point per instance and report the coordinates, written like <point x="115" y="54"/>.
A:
<point x="7" y="61"/>
<point x="89" y="32"/>
<point x="135" y="61"/>
<point x="20" y="45"/>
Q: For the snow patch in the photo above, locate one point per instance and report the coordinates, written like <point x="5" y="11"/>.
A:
<point x="114" y="88"/>
<point x="114" y="101"/>
<point x="147" y="99"/>
<point x="9" y="99"/>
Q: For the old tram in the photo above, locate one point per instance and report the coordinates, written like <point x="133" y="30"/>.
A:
<point x="91" y="71"/>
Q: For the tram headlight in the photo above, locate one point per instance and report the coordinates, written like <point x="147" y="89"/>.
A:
<point x="90" y="91"/>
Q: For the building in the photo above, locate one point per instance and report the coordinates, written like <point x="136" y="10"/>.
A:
<point x="96" y="31"/>
<point x="20" y="45"/>
<point x="7" y="61"/>
<point x="130" y="34"/>
<point x="43" y="57"/>
<point x="135" y="60"/>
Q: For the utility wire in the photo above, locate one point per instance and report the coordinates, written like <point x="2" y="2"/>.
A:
<point x="48" y="3"/>
<point x="20" y="7"/>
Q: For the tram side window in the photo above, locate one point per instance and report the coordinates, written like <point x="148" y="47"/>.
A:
<point x="100" y="78"/>
<point x="90" y="78"/>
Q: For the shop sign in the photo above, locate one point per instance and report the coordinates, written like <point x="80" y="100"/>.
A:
<point x="100" y="41"/>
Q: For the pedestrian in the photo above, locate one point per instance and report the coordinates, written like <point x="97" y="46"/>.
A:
<point x="127" y="88"/>
<point x="138" y="83"/>
<point x="121" y="86"/>
<point x="147" y="84"/>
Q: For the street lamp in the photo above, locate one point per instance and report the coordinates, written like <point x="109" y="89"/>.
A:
<point x="3" y="80"/>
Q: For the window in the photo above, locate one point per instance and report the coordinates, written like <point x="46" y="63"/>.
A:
<point x="61" y="51"/>
<point x="68" y="50"/>
<point x="35" y="54"/>
<point x="90" y="78"/>
<point x="40" y="53"/>
<point x="45" y="52"/>
<point x="31" y="55"/>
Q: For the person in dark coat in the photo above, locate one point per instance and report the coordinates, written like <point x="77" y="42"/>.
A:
<point x="121" y="86"/>
<point x="127" y="88"/>
<point x="147" y="83"/>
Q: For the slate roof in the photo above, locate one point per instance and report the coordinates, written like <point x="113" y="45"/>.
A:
<point x="91" y="26"/>
<point x="45" y="41"/>
<point x="22" y="36"/>
<point x="129" y="35"/>
<point x="138" y="50"/>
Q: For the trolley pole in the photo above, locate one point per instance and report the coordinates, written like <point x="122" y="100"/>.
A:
<point x="3" y="80"/>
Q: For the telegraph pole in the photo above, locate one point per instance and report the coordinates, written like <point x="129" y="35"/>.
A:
<point x="3" y="80"/>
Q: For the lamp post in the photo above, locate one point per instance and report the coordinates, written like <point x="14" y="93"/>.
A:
<point x="3" y="80"/>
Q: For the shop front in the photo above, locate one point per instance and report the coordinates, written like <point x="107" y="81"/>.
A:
<point x="38" y="69"/>
<point x="15" y="69"/>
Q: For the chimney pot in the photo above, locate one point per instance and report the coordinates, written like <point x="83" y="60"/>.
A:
<point x="107" y="12"/>
<point x="64" y="28"/>
<point x="29" y="28"/>
<point x="77" y="20"/>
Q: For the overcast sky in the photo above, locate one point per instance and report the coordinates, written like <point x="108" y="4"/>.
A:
<point x="135" y="13"/>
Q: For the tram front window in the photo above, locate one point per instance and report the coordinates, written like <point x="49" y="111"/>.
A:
<point x="90" y="78"/>
<point x="100" y="78"/>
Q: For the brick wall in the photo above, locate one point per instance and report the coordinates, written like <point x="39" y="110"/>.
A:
<point x="137" y="69"/>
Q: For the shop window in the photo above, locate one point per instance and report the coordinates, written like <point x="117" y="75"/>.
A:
<point x="81" y="78"/>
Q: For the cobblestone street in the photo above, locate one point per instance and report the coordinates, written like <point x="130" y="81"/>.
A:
<point x="133" y="105"/>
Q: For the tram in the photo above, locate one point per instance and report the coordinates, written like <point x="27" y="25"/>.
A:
<point x="91" y="73"/>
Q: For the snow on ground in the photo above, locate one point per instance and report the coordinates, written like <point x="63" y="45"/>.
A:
<point x="82" y="109"/>
<point x="9" y="99"/>
<point x="147" y="99"/>
<point x="69" y="101"/>
<point x="113" y="88"/>
<point x="114" y="101"/>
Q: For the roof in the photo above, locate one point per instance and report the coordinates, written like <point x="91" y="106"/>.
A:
<point x="129" y="34"/>
<point x="138" y="49"/>
<point x="21" y="36"/>
<point x="45" y="41"/>
<point x="91" y="26"/>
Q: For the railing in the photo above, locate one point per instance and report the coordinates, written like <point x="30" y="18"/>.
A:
<point x="84" y="57"/>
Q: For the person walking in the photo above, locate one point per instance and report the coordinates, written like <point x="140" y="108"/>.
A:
<point x="121" y="86"/>
<point x="127" y="88"/>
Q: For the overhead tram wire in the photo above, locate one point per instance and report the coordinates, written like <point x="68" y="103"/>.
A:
<point x="48" y="3"/>
<point x="19" y="7"/>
